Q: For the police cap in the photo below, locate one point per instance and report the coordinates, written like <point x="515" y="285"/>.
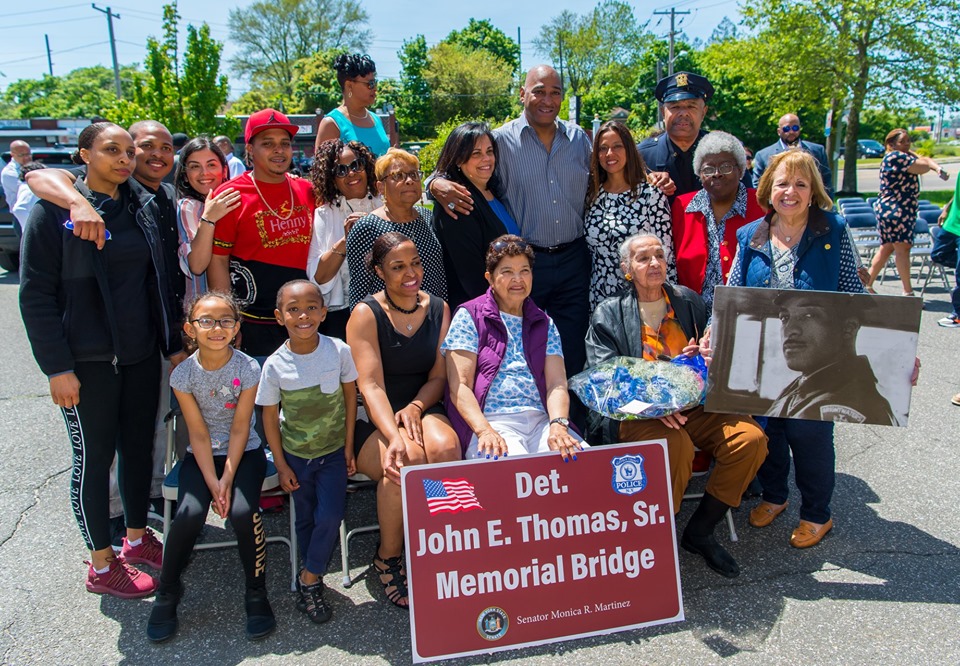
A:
<point x="683" y="85"/>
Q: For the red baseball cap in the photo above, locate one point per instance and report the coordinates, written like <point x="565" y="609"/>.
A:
<point x="267" y="119"/>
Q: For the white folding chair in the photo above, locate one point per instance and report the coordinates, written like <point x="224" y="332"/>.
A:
<point x="271" y="487"/>
<point x="354" y="483"/>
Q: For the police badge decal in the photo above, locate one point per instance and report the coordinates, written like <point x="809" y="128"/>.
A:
<point x="628" y="475"/>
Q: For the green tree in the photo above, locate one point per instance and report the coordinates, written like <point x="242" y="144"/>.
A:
<point x="471" y="83"/>
<point x="587" y="44"/>
<point x="274" y="35"/>
<point x="163" y="97"/>
<point x="82" y="93"/>
<point x="867" y="50"/>
<point x="184" y="92"/>
<point x="203" y="87"/>
<point x="482" y="35"/>
<point x="413" y="110"/>
<point x="316" y="85"/>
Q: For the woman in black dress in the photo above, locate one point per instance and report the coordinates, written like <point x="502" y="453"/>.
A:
<point x="395" y="337"/>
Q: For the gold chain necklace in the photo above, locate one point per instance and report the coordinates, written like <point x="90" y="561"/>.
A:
<point x="269" y="207"/>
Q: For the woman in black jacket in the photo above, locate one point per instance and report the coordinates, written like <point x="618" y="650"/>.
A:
<point x="469" y="158"/>
<point x="98" y="321"/>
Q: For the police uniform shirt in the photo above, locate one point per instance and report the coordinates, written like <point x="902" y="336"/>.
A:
<point x="845" y="391"/>
<point x="661" y="154"/>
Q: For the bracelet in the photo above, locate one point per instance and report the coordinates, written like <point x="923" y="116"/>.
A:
<point x="212" y="224"/>
<point x="342" y="254"/>
<point x="417" y="406"/>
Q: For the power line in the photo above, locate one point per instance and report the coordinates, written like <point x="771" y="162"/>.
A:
<point x="44" y="23"/>
<point x="75" y="48"/>
<point x="46" y="11"/>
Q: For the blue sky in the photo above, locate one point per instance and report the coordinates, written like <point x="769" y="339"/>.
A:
<point x="78" y="33"/>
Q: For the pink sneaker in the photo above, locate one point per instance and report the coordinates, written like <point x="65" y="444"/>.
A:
<point x="149" y="552"/>
<point x="121" y="581"/>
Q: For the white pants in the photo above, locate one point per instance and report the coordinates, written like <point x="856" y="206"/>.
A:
<point x="524" y="432"/>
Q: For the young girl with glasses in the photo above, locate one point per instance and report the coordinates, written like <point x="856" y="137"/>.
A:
<point x="225" y="463"/>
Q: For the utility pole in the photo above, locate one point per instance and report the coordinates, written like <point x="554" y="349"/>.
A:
<point x="519" y="53"/>
<point x="673" y="17"/>
<point x="46" y="38"/>
<point x="113" y="46"/>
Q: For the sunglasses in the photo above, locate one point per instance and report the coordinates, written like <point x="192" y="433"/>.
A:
<point x="500" y="246"/>
<point x="341" y="170"/>
<point x="790" y="128"/>
<point x="371" y="84"/>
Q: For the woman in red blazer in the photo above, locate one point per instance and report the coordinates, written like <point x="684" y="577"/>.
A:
<point x="705" y="222"/>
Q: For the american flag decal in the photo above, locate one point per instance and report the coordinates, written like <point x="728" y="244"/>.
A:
<point x="451" y="495"/>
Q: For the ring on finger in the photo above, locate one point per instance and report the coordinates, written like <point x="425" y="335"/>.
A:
<point x="451" y="205"/>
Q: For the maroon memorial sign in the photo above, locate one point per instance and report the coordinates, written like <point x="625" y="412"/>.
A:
<point x="531" y="550"/>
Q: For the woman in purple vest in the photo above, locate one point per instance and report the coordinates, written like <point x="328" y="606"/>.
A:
<point x="507" y="383"/>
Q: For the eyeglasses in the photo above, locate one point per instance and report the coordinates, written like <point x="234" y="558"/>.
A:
<point x="401" y="176"/>
<point x="207" y="323"/>
<point x="790" y="128"/>
<point x="371" y="84"/>
<point x="341" y="170"/>
<point x="724" y="169"/>
<point x="500" y="246"/>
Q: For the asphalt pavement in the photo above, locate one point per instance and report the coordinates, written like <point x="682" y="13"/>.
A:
<point x="883" y="587"/>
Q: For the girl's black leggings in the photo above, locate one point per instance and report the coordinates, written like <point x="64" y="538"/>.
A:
<point x="193" y="502"/>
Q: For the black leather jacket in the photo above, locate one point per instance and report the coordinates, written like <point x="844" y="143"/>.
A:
<point x="616" y="330"/>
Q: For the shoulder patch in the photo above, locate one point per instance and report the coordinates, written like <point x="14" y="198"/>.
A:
<point x="841" y="414"/>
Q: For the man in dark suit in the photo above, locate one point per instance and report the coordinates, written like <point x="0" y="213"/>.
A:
<point x="789" y="131"/>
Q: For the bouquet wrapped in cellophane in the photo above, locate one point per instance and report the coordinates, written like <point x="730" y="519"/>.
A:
<point x="626" y="388"/>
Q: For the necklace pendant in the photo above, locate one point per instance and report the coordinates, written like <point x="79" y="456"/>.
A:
<point x="409" y="327"/>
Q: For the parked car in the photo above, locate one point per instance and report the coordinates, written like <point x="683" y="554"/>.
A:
<point x="867" y="148"/>
<point x="9" y="243"/>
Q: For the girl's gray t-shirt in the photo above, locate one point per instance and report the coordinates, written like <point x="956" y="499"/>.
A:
<point x="217" y="393"/>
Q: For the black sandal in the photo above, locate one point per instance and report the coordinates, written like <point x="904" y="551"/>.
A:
<point x="392" y="567"/>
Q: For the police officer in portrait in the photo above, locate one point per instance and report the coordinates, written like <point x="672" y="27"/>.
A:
<point x="669" y="156"/>
<point x="835" y="383"/>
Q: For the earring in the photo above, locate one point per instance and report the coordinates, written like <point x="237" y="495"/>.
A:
<point x="628" y="277"/>
<point x="349" y="94"/>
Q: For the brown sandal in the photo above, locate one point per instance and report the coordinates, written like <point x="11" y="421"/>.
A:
<point x="396" y="578"/>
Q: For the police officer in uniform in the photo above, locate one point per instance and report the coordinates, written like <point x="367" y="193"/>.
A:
<point x="669" y="156"/>
<point x="836" y="384"/>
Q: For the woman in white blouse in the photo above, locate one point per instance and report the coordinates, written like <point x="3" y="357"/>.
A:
<point x="345" y="184"/>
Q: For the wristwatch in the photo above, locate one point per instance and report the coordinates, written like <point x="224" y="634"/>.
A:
<point x="565" y="422"/>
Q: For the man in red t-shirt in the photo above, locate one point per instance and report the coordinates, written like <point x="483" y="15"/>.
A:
<point x="263" y="243"/>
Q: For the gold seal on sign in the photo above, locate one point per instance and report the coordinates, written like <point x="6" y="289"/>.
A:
<point x="681" y="80"/>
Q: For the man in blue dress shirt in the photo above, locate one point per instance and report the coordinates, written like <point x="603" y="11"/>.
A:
<point x="545" y="164"/>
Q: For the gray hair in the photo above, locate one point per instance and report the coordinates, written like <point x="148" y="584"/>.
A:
<point x="625" y="245"/>
<point x="719" y="142"/>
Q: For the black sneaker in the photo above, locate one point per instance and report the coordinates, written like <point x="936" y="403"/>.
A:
<point x="260" y="620"/>
<point x="310" y="601"/>
<point x="163" y="623"/>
